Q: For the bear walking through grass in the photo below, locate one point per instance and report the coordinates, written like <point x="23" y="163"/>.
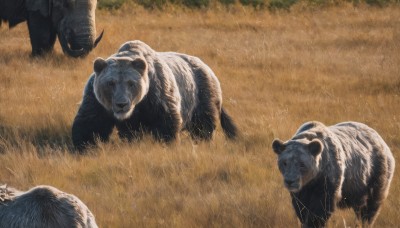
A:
<point x="139" y="90"/>
<point x="346" y="165"/>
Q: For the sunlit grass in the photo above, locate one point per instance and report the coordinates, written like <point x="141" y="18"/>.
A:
<point x="276" y="71"/>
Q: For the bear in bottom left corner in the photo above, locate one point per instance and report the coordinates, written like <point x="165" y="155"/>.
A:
<point x="43" y="206"/>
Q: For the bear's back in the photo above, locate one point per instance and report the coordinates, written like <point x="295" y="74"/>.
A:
<point x="366" y="155"/>
<point x="45" y="206"/>
<point x="359" y="138"/>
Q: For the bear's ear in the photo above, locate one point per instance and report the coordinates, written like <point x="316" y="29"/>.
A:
<point x="139" y="65"/>
<point x="315" y="147"/>
<point x="278" y="146"/>
<point x="99" y="65"/>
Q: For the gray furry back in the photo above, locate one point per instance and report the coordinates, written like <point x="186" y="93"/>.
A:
<point x="42" y="207"/>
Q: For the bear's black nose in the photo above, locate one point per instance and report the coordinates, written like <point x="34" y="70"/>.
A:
<point x="289" y="182"/>
<point x="122" y="104"/>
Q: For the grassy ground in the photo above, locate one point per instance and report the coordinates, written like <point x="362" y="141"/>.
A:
<point x="276" y="71"/>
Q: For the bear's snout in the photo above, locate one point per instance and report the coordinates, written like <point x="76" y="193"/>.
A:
<point x="122" y="104"/>
<point x="292" y="185"/>
<point x="122" y="108"/>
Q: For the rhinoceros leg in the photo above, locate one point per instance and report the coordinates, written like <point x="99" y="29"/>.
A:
<point x="41" y="32"/>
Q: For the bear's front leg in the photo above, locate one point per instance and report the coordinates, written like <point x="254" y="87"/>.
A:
<point x="315" y="204"/>
<point x="130" y="129"/>
<point x="315" y="214"/>
<point x="87" y="128"/>
<point x="92" y="121"/>
<point x="166" y="127"/>
<point x="161" y="119"/>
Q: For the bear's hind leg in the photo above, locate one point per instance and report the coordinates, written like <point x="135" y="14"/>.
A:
<point x="209" y="104"/>
<point x="202" y="126"/>
<point x="376" y="193"/>
<point x="368" y="212"/>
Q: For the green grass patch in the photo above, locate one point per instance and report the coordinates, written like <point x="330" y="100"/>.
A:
<point x="111" y="4"/>
<point x="255" y="3"/>
<point x="280" y="4"/>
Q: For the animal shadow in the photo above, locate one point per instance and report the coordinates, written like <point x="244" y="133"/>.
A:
<point x="44" y="141"/>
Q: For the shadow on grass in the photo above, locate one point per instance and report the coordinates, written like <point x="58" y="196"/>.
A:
<point x="52" y="58"/>
<point x="48" y="140"/>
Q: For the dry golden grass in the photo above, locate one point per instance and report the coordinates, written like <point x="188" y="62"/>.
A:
<point x="276" y="71"/>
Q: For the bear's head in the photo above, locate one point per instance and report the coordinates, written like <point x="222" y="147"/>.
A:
<point x="298" y="161"/>
<point x="120" y="83"/>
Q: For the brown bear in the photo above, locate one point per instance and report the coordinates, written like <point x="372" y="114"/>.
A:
<point x="139" y="90"/>
<point x="43" y="206"/>
<point x="347" y="165"/>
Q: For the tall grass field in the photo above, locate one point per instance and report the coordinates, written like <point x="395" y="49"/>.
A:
<point x="277" y="70"/>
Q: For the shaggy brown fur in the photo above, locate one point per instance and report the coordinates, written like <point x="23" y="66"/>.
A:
<point x="345" y="165"/>
<point x="140" y="90"/>
<point x="43" y="206"/>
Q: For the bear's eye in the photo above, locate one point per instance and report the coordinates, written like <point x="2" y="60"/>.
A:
<point x="110" y="83"/>
<point x="130" y="83"/>
<point x="284" y="163"/>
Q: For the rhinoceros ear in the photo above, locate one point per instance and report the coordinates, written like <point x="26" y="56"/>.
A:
<point x="43" y="6"/>
<point x="99" y="65"/>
